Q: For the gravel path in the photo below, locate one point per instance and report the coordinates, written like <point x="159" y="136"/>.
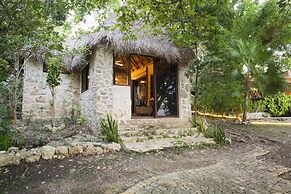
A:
<point x="241" y="175"/>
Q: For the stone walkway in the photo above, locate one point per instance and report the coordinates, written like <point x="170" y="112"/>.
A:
<point x="246" y="174"/>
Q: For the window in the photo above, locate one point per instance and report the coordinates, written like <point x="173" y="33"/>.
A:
<point x="85" y="78"/>
<point x="44" y="67"/>
<point x="120" y="71"/>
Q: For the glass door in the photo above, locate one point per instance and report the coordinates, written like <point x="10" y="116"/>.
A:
<point x="166" y="89"/>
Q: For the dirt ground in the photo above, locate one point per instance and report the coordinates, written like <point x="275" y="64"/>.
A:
<point x="114" y="173"/>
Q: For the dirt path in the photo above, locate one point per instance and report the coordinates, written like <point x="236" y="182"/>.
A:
<point x="118" y="172"/>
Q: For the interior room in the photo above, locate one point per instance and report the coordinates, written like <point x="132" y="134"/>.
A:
<point x="140" y="78"/>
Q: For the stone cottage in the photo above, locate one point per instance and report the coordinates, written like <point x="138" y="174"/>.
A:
<point x="139" y="81"/>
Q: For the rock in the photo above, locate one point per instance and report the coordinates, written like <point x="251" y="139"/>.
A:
<point x="35" y="151"/>
<point x="99" y="150"/>
<point x="32" y="158"/>
<point x="112" y="147"/>
<point x="13" y="149"/>
<point x="75" y="150"/>
<point x="23" y="153"/>
<point x="2" y="152"/>
<point x="62" y="150"/>
<point x="60" y="157"/>
<point x="9" y="159"/>
<point x="73" y="144"/>
<point x="47" y="152"/>
<point x="15" y="159"/>
<point x="32" y="155"/>
<point x="5" y="159"/>
<point x="89" y="150"/>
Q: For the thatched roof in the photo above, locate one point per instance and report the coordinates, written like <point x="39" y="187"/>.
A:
<point x="154" y="46"/>
<point x="146" y="45"/>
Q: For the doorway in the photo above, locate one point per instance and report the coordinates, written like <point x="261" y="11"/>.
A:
<point x="153" y="85"/>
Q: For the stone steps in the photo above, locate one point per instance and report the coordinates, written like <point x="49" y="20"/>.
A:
<point x="159" y="144"/>
<point x="143" y="135"/>
<point x="161" y="131"/>
<point x="145" y="140"/>
<point x="136" y="124"/>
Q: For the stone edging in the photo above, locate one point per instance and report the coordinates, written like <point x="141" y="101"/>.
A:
<point x="14" y="156"/>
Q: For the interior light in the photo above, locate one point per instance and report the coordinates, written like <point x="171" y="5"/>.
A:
<point x="142" y="82"/>
<point x="119" y="63"/>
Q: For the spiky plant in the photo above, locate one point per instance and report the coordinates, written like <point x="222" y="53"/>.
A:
<point x="109" y="129"/>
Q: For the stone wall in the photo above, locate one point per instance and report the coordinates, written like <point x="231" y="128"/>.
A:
<point x="184" y="94"/>
<point x="97" y="101"/>
<point x="101" y="98"/>
<point x="37" y="96"/>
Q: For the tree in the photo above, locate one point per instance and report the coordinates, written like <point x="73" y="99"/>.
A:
<point x="27" y="26"/>
<point x="259" y="33"/>
<point x="53" y="80"/>
<point x="249" y="56"/>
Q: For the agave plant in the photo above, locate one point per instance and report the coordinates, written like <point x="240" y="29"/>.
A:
<point x="109" y="129"/>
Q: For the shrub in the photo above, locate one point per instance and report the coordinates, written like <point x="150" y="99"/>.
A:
<point x="279" y="105"/>
<point x="217" y="133"/>
<point x="200" y="123"/>
<point x="75" y="117"/>
<point x="109" y="129"/>
<point x="257" y="106"/>
<point x="5" y="134"/>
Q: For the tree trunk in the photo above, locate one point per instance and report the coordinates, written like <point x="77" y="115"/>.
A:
<point x="53" y="109"/>
<point x="195" y="104"/>
<point x="15" y="89"/>
<point x="246" y="94"/>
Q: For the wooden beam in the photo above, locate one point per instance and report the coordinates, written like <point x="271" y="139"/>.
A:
<point x="125" y="64"/>
<point x="140" y="60"/>
<point x="134" y="63"/>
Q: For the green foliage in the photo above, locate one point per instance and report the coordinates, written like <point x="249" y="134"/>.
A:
<point x="5" y="133"/>
<point x="272" y="81"/>
<point x="220" y="90"/>
<point x="109" y="128"/>
<point x="53" y="80"/>
<point x="279" y="105"/>
<point x="74" y="117"/>
<point x="217" y="133"/>
<point x="54" y="71"/>
<point x="257" y="106"/>
<point x="5" y="141"/>
<point x="201" y="124"/>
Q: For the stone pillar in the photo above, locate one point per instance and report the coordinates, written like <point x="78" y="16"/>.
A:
<point x="184" y="94"/>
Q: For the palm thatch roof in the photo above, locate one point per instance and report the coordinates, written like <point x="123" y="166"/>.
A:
<point x="147" y="45"/>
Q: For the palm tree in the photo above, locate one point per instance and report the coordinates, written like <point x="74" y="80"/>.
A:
<point x="249" y="55"/>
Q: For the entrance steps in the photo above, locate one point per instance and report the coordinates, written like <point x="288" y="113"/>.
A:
<point x="158" y="123"/>
<point x="150" y="138"/>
